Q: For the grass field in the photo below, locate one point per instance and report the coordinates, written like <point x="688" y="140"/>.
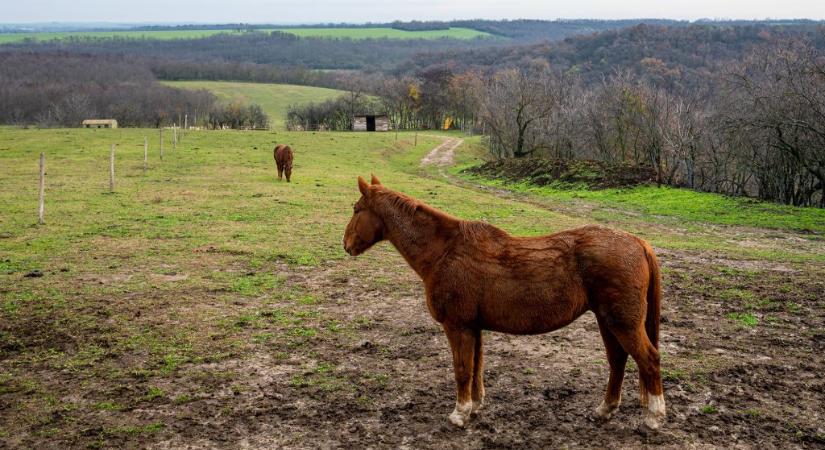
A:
<point x="273" y="98"/>
<point x="391" y="33"/>
<point x="351" y="33"/>
<point x="207" y="304"/>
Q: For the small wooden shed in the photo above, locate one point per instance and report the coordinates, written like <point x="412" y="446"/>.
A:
<point x="99" y="123"/>
<point x="370" y="122"/>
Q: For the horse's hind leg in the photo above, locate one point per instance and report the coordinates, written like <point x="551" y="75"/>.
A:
<point x="463" y="345"/>
<point x="617" y="358"/>
<point x="478" y="374"/>
<point x="280" y="171"/>
<point x="646" y="356"/>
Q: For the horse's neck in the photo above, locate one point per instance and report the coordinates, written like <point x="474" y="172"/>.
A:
<point x="421" y="237"/>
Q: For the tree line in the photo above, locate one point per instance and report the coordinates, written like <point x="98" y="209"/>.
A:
<point x="758" y="131"/>
<point x="757" y="128"/>
<point x="63" y="90"/>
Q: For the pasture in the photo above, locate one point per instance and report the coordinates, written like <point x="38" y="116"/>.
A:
<point x="334" y="33"/>
<point x="273" y="98"/>
<point x="206" y="304"/>
<point x="385" y="33"/>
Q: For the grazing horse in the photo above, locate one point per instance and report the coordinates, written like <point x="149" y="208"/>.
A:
<point x="478" y="277"/>
<point x="283" y="159"/>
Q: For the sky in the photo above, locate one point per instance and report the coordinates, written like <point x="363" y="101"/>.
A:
<point x="360" y="11"/>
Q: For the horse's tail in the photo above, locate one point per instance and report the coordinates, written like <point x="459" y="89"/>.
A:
<point x="654" y="296"/>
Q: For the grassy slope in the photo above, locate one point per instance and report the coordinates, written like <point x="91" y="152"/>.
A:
<point x="273" y="98"/>
<point x="353" y="33"/>
<point x="665" y="203"/>
<point x="180" y="267"/>
<point x="375" y="33"/>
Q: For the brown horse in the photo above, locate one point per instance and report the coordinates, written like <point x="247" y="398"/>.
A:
<point x="283" y="159"/>
<point x="478" y="277"/>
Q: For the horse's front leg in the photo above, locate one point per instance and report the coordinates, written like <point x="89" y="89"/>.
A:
<point x="463" y="345"/>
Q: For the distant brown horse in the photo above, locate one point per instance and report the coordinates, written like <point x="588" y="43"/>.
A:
<point x="283" y="159"/>
<point x="478" y="277"/>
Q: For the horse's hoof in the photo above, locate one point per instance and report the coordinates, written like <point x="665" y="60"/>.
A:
<point x="651" y="423"/>
<point x="458" y="419"/>
<point x="461" y="414"/>
<point x="477" y="405"/>
<point x="605" y="411"/>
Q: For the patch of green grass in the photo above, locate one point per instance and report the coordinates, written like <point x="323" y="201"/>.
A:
<point x="108" y="406"/>
<point x="682" y="204"/>
<point x="752" y="412"/>
<point x="253" y="285"/>
<point x="153" y="393"/>
<point x="744" y="318"/>
<point x="674" y="375"/>
<point x="737" y="294"/>
<point x="182" y="399"/>
<point x="391" y="33"/>
<point x="709" y="409"/>
<point x="137" y="429"/>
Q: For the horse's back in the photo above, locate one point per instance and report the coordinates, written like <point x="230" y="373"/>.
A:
<point x="283" y="153"/>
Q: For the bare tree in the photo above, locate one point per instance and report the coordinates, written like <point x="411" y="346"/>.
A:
<point x="515" y="108"/>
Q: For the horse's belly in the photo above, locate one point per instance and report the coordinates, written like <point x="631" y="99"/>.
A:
<point x="531" y="317"/>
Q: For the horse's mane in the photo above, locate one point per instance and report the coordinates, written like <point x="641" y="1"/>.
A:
<point x="475" y="229"/>
<point x="397" y="202"/>
<point x="408" y="206"/>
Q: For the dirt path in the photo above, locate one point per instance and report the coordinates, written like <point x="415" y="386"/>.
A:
<point x="442" y="155"/>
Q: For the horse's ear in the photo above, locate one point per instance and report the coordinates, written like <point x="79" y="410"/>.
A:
<point x="375" y="180"/>
<point x="363" y="186"/>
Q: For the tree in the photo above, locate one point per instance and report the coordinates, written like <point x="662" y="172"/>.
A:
<point x="516" y="105"/>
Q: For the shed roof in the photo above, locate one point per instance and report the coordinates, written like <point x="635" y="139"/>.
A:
<point x="99" y="121"/>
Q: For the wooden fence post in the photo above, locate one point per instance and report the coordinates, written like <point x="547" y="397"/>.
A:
<point x="112" y="169"/>
<point x="161" y="142"/>
<point x="42" y="209"/>
<point x="174" y="136"/>
<point x="145" y="154"/>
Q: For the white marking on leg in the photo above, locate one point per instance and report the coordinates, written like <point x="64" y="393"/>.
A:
<point x="657" y="405"/>
<point x="461" y="413"/>
<point x="655" y="412"/>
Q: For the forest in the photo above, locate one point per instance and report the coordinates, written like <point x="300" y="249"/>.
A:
<point x="63" y="90"/>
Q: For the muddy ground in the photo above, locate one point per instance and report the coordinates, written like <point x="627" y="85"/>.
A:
<point x="386" y="381"/>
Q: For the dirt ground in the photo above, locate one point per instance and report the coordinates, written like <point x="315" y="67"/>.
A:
<point x="386" y="381"/>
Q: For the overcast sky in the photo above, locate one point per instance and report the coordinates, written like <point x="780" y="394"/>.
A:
<point x="359" y="11"/>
